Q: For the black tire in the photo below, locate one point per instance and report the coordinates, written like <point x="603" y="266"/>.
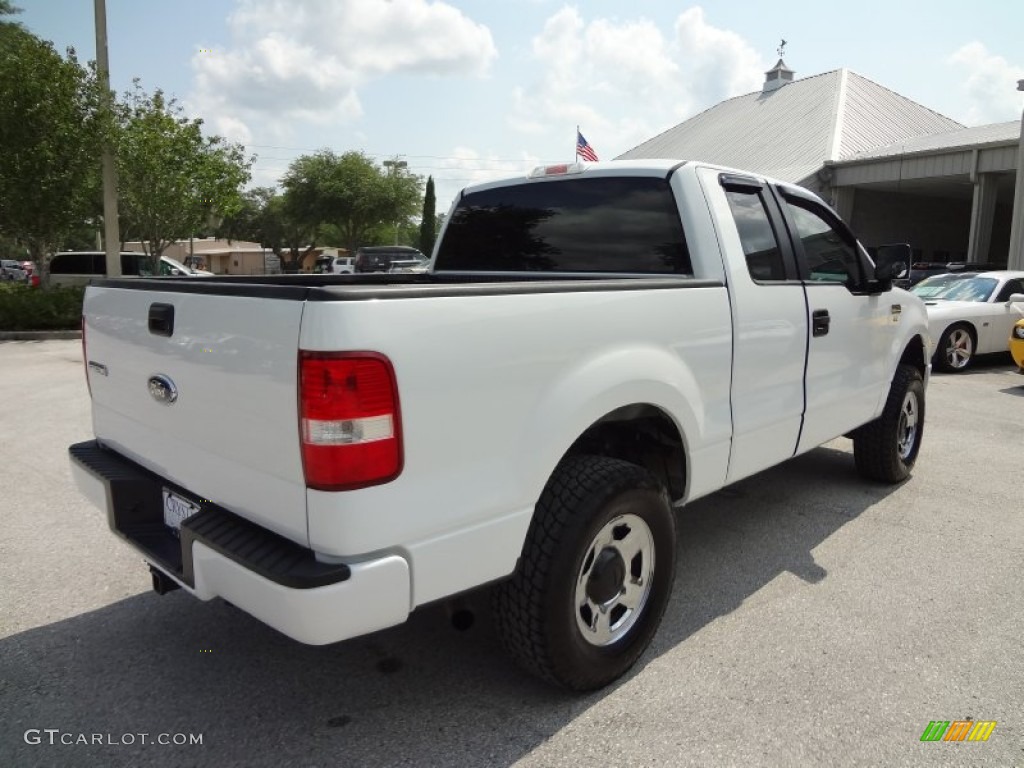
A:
<point x="886" y="449"/>
<point x="537" y="612"/>
<point x="956" y="348"/>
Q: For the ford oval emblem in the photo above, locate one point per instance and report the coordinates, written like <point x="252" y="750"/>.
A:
<point x="162" y="389"/>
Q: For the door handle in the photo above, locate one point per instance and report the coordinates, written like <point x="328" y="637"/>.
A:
<point x="820" y="322"/>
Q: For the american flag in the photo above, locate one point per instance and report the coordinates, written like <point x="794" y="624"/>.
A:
<point x="583" y="149"/>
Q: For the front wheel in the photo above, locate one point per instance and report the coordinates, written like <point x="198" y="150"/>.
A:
<point x="595" y="575"/>
<point x="955" y="350"/>
<point x="886" y="448"/>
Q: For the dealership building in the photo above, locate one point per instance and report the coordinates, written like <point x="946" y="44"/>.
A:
<point x="894" y="169"/>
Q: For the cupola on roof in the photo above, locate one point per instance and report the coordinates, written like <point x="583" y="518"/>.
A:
<point x="791" y="130"/>
<point x="777" y="76"/>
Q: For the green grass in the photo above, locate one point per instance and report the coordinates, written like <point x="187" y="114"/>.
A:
<point x="32" y="309"/>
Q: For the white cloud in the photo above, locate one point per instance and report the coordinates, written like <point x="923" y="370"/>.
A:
<point x="303" y="61"/>
<point x="989" y="82"/>
<point x="624" y="81"/>
<point x="718" y="63"/>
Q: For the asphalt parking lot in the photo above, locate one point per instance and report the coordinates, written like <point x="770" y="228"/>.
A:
<point x="816" y="620"/>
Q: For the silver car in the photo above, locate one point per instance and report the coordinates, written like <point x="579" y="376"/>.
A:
<point x="12" y="270"/>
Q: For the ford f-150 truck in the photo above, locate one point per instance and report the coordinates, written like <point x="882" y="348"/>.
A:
<point x="593" y="345"/>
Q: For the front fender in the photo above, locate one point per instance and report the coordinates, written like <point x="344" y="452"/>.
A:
<point x="914" y="323"/>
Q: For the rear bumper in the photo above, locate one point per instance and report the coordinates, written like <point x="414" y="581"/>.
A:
<point x="219" y="554"/>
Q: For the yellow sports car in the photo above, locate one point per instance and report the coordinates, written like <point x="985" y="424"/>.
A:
<point x="1017" y="344"/>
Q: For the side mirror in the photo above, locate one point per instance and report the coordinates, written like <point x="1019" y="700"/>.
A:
<point x="892" y="261"/>
<point x="1015" y="298"/>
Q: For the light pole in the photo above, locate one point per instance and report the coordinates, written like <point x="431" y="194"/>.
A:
<point x="111" y="227"/>
<point x="395" y="167"/>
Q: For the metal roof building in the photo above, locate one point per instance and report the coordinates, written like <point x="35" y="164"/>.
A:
<point x="893" y="168"/>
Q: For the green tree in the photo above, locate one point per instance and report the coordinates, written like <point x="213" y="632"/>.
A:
<point x="427" y="232"/>
<point x="245" y="223"/>
<point x="6" y="9"/>
<point x="173" y="180"/>
<point x="10" y="249"/>
<point x="263" y="217"/>
<point x="403" y="232"/>
<point x="350" y="192"/>
<point x="51" y="130"/>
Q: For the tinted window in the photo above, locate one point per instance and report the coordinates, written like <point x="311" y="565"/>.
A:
<point x="1011" y="287"/>
<point x="138" y="264"/>
<point x="577" y="225"/>
<point x="95" y="263"/>
<point x="760" y="246"/>
<point x="77" y="264"/>
<point x="829" y="254"/>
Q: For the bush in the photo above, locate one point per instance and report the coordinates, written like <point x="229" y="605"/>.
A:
<point x="31" y="309"/>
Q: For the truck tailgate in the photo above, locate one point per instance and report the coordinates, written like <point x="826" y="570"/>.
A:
<point x="231" y="433"/>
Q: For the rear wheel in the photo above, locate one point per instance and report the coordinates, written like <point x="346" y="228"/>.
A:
<point x="595" y="575"/>
<point x="886" y="448"/>
<point x="956" y="349"/>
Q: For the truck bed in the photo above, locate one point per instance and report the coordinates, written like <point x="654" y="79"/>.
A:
<point x="369" y="286"/>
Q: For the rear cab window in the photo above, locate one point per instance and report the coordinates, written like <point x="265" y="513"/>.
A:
<point x="757" y="235"/>
<point x="624" y="225"/>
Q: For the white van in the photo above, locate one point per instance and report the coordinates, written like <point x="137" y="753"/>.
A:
<point x="336" y="264"/>
<point x="79" y="267"/>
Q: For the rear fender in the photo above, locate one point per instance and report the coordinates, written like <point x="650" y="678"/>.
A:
<point x="595" y="388"/>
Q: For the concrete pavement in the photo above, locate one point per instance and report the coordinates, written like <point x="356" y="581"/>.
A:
<point x="815" y="620"/>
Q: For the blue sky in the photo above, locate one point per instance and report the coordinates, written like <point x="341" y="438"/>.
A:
<point x="472" y="89"/>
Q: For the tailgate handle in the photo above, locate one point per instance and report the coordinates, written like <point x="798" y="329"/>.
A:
<point x="820" y="322"/>
<point x="161" y="319"/>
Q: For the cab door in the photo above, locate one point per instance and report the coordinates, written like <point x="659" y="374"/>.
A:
<point x="852" y="330"/>
<point x="769" y="317"/>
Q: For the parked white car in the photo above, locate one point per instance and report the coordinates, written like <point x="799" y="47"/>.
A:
<point x="12" y="270"/>
<point x="335" y="265"/>
<point x="971" y="314"/>
<point x="173" y="268"/>
<point x="77" y="268"/>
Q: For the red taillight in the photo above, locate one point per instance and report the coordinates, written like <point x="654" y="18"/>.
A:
<point x="349" y="420"/>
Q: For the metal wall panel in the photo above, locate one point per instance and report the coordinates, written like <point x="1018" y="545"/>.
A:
<point x="997" y="159"/>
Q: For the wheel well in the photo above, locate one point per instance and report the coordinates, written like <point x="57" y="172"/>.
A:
<point x="641" y="434"/>
<point x="963" y="324"/>
<point x="914" y="355"/>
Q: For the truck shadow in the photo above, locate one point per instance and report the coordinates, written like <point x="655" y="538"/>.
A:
<point x="418" y="694"/>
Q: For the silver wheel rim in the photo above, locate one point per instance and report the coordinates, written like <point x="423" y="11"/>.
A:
<point x="906" y="434"/>
<point x="615" y="580"/>
<point x="959" y="348"/>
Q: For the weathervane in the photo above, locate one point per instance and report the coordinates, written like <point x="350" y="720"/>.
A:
<point x="782" y="48"/>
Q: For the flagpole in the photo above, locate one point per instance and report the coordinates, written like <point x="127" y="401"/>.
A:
<point x="576" y="144"/>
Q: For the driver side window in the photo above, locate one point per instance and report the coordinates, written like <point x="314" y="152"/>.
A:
<point x="829" y="254"/>
<point x="1011" y="287"/>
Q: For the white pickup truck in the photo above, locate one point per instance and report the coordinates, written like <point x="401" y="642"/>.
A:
<point x="592" y="345"/>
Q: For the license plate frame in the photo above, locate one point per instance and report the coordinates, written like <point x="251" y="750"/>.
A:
<point x="177" y="509"/>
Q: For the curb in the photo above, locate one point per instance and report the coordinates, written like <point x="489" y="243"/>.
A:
<point x="38" y="335"/>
